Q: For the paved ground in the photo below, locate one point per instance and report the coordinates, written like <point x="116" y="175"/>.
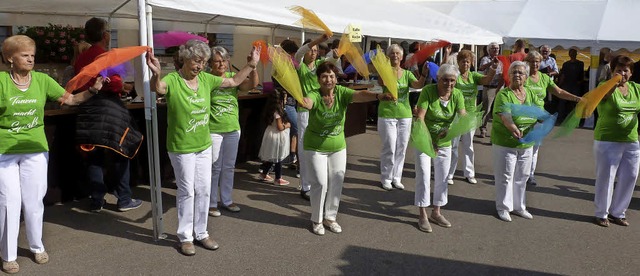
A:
<point x="271" y="235"/>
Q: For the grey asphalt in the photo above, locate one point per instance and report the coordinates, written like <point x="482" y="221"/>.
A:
<point x="272" y="236"/>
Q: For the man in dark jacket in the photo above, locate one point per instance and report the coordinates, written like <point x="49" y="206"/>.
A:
<point x="103" y="127"/>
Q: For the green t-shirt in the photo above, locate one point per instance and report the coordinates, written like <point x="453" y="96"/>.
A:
<point x="439" y="117"/>
<point x="540" y="87"/>
<point x="325" y="132"/>
<point x="22" y="113"/>
<point x="400" y="109"/>
<point x="308" y="79"/>
<point x="500" y="135"/>
<point x="469" y="89"/>
<point x="617" y="116"/>
<point x="188" y="112"/>
<point x="224" y="109"/>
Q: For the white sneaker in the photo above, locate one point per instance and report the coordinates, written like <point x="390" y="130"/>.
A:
<point x="318" y="229"/>
<point x="450" y="181"/>
<point x="472" y="180"/>
<point x="387" y="186"/>
<point x="504" y="215"/>
<point x="523" y="213"/>
<point x="398" y="185"/>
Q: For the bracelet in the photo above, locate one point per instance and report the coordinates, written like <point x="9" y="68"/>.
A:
<point x="251" y="65"/>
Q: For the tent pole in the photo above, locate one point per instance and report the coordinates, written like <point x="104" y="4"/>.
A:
<point x="151" y="118"/>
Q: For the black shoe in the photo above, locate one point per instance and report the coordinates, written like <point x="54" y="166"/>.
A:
<point x="96" y="206"/>
<point x="532" y="181"/>
<point x="305" y="195"/>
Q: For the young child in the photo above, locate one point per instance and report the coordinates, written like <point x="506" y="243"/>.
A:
<point x="275" y="141"/>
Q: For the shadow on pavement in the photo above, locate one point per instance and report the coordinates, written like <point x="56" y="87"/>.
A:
<point x="75" y="215"/>
<point x="369" y="261"/>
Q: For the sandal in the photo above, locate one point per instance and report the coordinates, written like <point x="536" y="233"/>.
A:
<point x="602" y="222"/>
<point x="11" y="267"/>
<point x="619" y="221"/>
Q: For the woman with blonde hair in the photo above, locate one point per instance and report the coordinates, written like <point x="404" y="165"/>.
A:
<point x="24" y="151"/>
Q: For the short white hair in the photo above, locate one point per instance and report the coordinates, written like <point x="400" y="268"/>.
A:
<point x="448" y="70"/>
<point x="518" y="63"/>
<point x="222" y="51"/>
<point x="192" y="49"/>
<point x="394" y="46"/>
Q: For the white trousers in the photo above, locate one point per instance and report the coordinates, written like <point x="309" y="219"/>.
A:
<point x="511" y="169"/>
<point x="423" y="178"/>
<point x="23" y="183"/>
<point x="326" y="176"/>
<point x="615" y="158"/>
<point x="303" y="122"/>
<point x="534" y="160"/>
<point x="224" y="152"/>
<point x="469" y="155"/>
<point x="394" y="134"/>
<point x="193" y="178"/>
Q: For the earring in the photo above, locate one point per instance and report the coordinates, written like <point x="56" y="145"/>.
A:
<point x="11" y="65"/>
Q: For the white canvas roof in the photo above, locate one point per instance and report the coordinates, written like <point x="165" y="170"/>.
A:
<point x="378" y="18"/>
<point x="566" y="23"/>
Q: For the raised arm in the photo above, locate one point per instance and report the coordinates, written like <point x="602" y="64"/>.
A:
<point x="251" y="82"/>
<point x="154" y="65"/>
<point x="242" y="75"/>
<point x="76" y="99"/>
<point x="419" y="83"/>
<point x="492" y="72"/>
<point x="307" y="47"/>
<point x="562" y="94"/>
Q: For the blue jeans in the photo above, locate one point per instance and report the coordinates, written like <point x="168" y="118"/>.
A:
<point x="95" y="159"/>
<point x="292" y="114"/>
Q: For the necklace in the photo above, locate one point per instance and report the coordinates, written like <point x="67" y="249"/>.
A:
<point x="20" y="84"/>
<point x="195" y="89"/>
<point x="328" y="99"/>
<point x="520" y="96"/>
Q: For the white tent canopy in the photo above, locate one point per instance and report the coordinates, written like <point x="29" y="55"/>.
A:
<point x="566" y="23"/>
<point x="377" y="18"/>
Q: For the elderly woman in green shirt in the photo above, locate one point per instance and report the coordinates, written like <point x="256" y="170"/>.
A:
<point x="540" y="84"/>
<point x="394" y="122"/>
<point x="188" y="95"/>
<point x="325" y="145"/>
<point x="616" y="148"/>
<point x="512" y="158"/>
<point x="437" y="107"/>
<point x="468" y="82"/>
<point x="24" y="151"/>
<point x="224" y="125"/>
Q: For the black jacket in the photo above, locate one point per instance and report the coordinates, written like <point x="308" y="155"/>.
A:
<point x="104" y="121"/>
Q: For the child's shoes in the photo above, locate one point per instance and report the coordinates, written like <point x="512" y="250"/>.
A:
<point x="266" y="177"/>
<point x="280" y="182"/>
